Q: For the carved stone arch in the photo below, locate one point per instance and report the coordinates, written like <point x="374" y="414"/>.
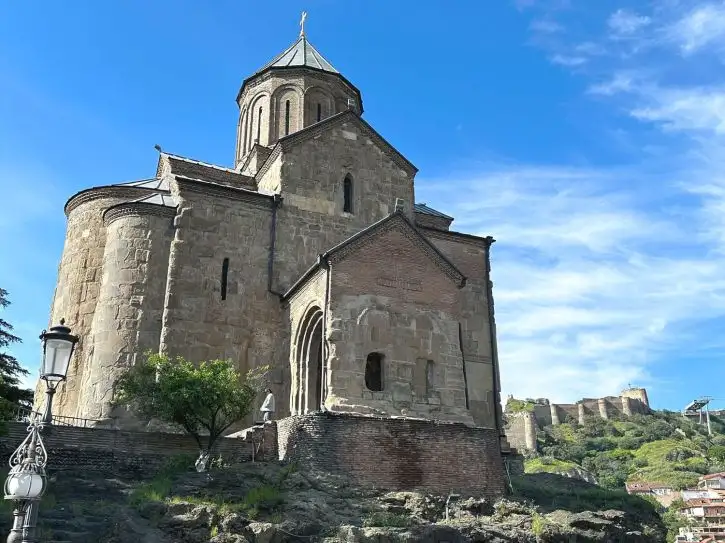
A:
<point x="307" y="363"/>
<point x="242" y="132"/>
<point x="318" y="99"/>
<point x="280" y="121"/>
<point x="259" y="126"/>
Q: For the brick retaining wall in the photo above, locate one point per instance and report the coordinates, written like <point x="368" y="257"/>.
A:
<point x="396" y="454"/>
<point x="74" y="447"/>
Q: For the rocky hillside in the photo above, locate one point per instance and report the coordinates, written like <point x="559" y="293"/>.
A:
<point x="270" y="503"/>
<point x="663" y="447"/>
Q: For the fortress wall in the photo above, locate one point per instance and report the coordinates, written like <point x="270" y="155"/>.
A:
<point x="127" y="321"/>
<point x="568" y="412"/>
<point x="396" y="454"/>
<point x="78" y="286"/>
<point x="248" y="327"/>
<point x="521" y="431"/>
<point x="543" y="415"/>
<point x="639" y="394"/>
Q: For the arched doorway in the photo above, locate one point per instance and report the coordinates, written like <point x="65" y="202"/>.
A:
<point x="307" y="392"/>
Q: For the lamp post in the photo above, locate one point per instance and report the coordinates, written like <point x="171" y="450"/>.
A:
<point x="26" y="483"/>
<point x="58" y="346"/>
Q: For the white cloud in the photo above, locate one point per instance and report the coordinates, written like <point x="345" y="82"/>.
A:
<point x="626" y="22"/>
<point x="702" y="26"/>
<point x="546" y="26"/>
<point x="569" y="61"/>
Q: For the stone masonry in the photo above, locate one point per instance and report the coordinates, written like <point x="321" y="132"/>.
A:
<point x="309" y="255"/>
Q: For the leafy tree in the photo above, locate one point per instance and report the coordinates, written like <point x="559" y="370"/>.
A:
<point x="204" y="399"/>
<point x="10" y="369"/>
<point x="717" y="453"/>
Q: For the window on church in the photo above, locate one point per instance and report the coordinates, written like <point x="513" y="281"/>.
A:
<point x="259" y="126"/>
<point x="225" y="273"/>
<point x="347" y="194"/>
<point x="319" y="112"/>
<point x="374" y="372"/>
<point x="286" y="118"/>
<point x="251" y="126"/>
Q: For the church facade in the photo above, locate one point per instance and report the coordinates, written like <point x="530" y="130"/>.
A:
<point x="308" y="254"/>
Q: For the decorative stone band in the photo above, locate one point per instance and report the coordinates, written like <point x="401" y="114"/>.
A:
<point x="263" y="76"/>
<point x="456" y="236"/>
<point x="111" y="191"/>
<point x="203" y="187"/>
<point x="136" y="209"/>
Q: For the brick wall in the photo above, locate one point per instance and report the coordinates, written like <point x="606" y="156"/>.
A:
<point x="396" y="454"/>
<point x="73" y="447"/>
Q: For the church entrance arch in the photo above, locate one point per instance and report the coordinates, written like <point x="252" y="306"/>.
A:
<point x="308" y="364"/>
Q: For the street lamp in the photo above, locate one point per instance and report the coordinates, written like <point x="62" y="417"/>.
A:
<point x="58" y="345"/>
<point x="26" y="484"/>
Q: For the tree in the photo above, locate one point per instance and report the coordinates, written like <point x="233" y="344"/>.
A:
<point x="204" y="399"/>
<point x="10" y="369"/>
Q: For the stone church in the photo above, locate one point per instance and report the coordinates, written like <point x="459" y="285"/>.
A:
<point x="308" y="254"/>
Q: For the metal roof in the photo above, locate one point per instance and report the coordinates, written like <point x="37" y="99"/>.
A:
<point x="301" y="53"/>
<point x="158" y="199"/>
<point x="422" y="208"/>
<point x="154" y="183"/>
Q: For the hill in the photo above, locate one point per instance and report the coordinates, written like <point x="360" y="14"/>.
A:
<point x="662" y="447"/>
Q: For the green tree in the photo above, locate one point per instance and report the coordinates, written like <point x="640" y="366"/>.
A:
<point x="10" y="369"/>
<point x="205" y="399"/>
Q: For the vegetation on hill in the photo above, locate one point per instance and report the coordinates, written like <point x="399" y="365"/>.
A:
<point x="663" y="447"/>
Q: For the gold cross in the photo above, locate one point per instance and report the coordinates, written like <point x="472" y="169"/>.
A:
<point x="302" y="23"/>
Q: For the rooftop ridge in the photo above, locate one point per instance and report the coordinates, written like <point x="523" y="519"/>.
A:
<point x="202" y="163"/>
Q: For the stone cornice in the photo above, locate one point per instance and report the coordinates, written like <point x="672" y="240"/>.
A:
<point x="109" y="191"/>
<point x="136" y="209"/>
<point x="457" y="236"/>
<point x="231" y="193"/>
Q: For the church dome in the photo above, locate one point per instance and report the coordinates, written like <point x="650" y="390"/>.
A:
<point x="296" y="89"/>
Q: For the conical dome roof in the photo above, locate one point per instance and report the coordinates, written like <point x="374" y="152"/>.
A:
<point x="300" y="54"/>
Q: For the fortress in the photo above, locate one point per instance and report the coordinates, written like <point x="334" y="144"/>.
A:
<point x="528" y="416"/>
<point x="308" y="254"/>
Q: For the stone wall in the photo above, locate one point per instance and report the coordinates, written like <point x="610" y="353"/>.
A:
<point x="396" y="454"/>
<point x="73" y="447"/>
<point x="470" y="255"/>
<point x="248" y="326"/>
<point x="127" y="320"/>
<point x="79" y="284"/>
<point x="521" y="430"/>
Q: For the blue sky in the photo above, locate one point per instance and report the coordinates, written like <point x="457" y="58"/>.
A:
<point x="586" y="137"/>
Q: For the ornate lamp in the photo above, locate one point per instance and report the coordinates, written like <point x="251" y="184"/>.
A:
<point x="58" y="346"/>
<point x="26" y="484"/>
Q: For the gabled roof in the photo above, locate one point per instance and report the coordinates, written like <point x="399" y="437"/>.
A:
<point x="313" y="130"/>
<point x="423" y="208"/>
<point x="300" y="53"/>
<point x="203" y="171"/>
<point x="351" y="244"/>
<point x="154" y="183"/>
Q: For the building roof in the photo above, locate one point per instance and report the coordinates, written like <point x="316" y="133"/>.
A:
<point x="398" y="218"/>
<point x="154" y="183"/>
<point x="720" y="475"/>
<point x="159" y="199"/>
<point x="423" y="208"/>
<point x="300" y="54"/>
<point x="644" y="487"/>
<point x="203" y="171"/>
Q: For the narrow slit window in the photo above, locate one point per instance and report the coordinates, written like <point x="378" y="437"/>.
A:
<point x="319" y="112"/>
<point x="374" y="372"/>
<point x="225" y="274"/>
<point x="259" y="125"/>
<point x="286" y="118"/>
<point x="347" y="194"/>
<point x="251" y="127"/>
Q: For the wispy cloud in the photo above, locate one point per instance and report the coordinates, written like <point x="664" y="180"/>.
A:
<point x="570" y="61"/>
<point x="699" y="28"/>
<point x="624" y="22"/>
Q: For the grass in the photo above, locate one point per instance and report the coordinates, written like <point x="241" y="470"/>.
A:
<point x="538" y="524"/>
<point x="545" y="464"/>
<point x="385" y="519"/>
<point x="519" y="406"/>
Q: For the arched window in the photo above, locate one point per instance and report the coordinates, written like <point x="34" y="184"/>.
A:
<point x="319" y="112"/>
<point x="347" y="194"/>
<point x="225" y="273"/>
<point x="286" y="118"/>
<point x="259" y="125"/>
<point x="374" y="372"/>
<point x="245" y="128"/>
<point x="251" y="127"/>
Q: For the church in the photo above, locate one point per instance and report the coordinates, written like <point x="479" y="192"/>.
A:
<point x="308" y="254"/>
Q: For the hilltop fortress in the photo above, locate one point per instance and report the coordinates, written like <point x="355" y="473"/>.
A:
<point x="523" y="418"/>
